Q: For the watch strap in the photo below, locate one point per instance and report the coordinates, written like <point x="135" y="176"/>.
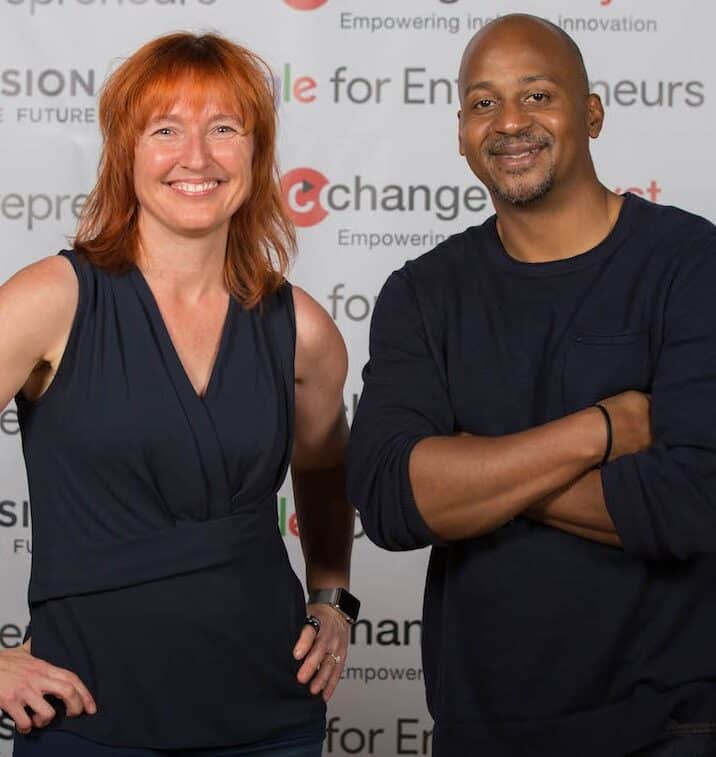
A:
<point x="338" y="598"/>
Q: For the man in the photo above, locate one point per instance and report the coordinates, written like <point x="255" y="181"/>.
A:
<point x="570" y="607"/>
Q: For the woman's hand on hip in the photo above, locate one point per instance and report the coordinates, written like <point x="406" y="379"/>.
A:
<point x="24" y="682"/>
<point x="323" y="652"/>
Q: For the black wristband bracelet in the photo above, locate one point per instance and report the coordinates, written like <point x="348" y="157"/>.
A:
<point x="608" y="421"/>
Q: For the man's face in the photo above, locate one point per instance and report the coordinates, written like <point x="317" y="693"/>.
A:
<point x="525" y="117"/>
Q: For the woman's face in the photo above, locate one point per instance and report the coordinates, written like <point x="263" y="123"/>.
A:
<point x="192" y="167"/>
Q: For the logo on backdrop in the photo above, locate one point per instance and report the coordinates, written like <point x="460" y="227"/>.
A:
<point x="400" y="636"/>
<point x="33" y="208"/>
<point x="291" y="88"/>
<point x="11" y="635"/>
<point x="288" y="521"/>
<point x="387" y="632"/>
<point x="309" y="196"/>
<point x="15" y="519"/>
<point x="14" y="514"/>
<point x="30" y="96"/>
<point x="7" y="729"/>
<point x="452" y="2"/>
<point x="652" y="191"/>
<point x="398" y="736"/>
<point x="34" y="5"/>
<point x="418" y="85"/>
<point x="462" y="18"/>
<point x="48" y="82"/>
<point x="9" y="423"/>
<point x="302" y="193"/>
<point x="305" y="5"/>
<point x="346" y="303"/>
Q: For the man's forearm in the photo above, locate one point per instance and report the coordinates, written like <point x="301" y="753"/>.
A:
<point x="581" y="504"/>
<point x="603" y="537"/>
<point x="578" y="509"/>
<point x="466" y="486"/>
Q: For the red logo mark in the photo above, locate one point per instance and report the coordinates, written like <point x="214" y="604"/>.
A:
<point x="302" y="194"/>
<point x="305" y="5"/>
<point x="651" y="190"/>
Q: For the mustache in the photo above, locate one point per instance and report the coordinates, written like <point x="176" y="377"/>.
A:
<point x="501" y="144"/>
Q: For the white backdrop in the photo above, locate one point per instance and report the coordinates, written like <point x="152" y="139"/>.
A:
<point x="367" y="109"/>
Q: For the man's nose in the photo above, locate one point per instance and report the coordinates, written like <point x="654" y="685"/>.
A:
<point x="513" y="118"/>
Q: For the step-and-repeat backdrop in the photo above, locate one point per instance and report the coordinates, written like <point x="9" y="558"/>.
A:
<point x="367" y="101"/>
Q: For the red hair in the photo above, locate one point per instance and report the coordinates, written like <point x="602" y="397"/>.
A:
<point x="261" y="236"/>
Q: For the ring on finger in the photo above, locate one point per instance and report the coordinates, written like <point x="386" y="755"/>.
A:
<point x="314" y="622"/>
<point x="335" y="657"/>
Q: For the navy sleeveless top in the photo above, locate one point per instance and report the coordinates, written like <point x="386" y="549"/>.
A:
<point x="159" y="574"/>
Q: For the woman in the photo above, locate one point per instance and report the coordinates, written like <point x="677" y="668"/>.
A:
<point x="166" y="375"/>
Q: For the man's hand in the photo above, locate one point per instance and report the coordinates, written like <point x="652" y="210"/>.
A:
<point x="24" y="682"/>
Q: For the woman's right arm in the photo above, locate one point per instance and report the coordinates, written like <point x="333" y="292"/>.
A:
<point x="37" y="307"/>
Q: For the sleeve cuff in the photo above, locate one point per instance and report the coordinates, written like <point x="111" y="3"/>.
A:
<point x="414" y="521"/>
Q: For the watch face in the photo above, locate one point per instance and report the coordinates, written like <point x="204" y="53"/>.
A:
<point x="348" y="604"/>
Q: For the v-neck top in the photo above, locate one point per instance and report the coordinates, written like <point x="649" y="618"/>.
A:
<point x="171" y="354"/>
<point x="159" y="574"/>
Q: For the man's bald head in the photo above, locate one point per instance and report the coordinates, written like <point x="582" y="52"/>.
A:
<point x="533" y="29"/>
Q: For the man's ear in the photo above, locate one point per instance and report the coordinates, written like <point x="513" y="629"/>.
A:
<point x="459" y="133"/>
<point x="595" y="115"/>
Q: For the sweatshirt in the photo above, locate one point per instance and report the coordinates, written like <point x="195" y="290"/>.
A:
<point x="535" y="641"/>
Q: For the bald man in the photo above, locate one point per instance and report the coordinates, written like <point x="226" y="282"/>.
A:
<point x="540" y="408"/>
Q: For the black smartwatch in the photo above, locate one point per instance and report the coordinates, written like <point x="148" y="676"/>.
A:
<point x="343" y="601"/>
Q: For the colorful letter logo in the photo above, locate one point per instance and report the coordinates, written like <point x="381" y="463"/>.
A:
<point x="305" y="5"/>
<point x="302" y="194"/>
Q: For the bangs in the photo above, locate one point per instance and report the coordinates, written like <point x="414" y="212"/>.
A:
<point x="184" y="70"/>
<point x="194" y="86"/>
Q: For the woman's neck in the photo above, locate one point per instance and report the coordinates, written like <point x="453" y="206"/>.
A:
<point x="184" y="265"/>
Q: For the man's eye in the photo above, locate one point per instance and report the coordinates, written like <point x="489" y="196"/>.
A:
<point x="484" y="103"/>
<point x="539" y="96"/>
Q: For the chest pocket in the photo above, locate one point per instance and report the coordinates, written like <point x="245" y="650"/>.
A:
<point x="598" y="366"/>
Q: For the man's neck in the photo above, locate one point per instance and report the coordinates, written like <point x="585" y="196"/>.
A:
<point x="558" y="227"/>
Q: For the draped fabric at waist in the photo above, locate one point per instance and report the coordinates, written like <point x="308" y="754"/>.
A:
<point x="187" y="547"/>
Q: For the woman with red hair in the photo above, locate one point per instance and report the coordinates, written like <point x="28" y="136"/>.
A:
<point x="166" y="376"/>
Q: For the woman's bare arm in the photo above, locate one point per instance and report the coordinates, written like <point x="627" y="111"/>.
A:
<point x="37" y="307"/>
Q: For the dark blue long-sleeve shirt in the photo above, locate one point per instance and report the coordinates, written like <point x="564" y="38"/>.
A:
<point x="535" y="640"/>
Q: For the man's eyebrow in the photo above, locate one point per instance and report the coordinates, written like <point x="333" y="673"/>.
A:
<point x="477" y="85"/>
<point x="485" y="84"/>
<point x="539" y="77"/>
